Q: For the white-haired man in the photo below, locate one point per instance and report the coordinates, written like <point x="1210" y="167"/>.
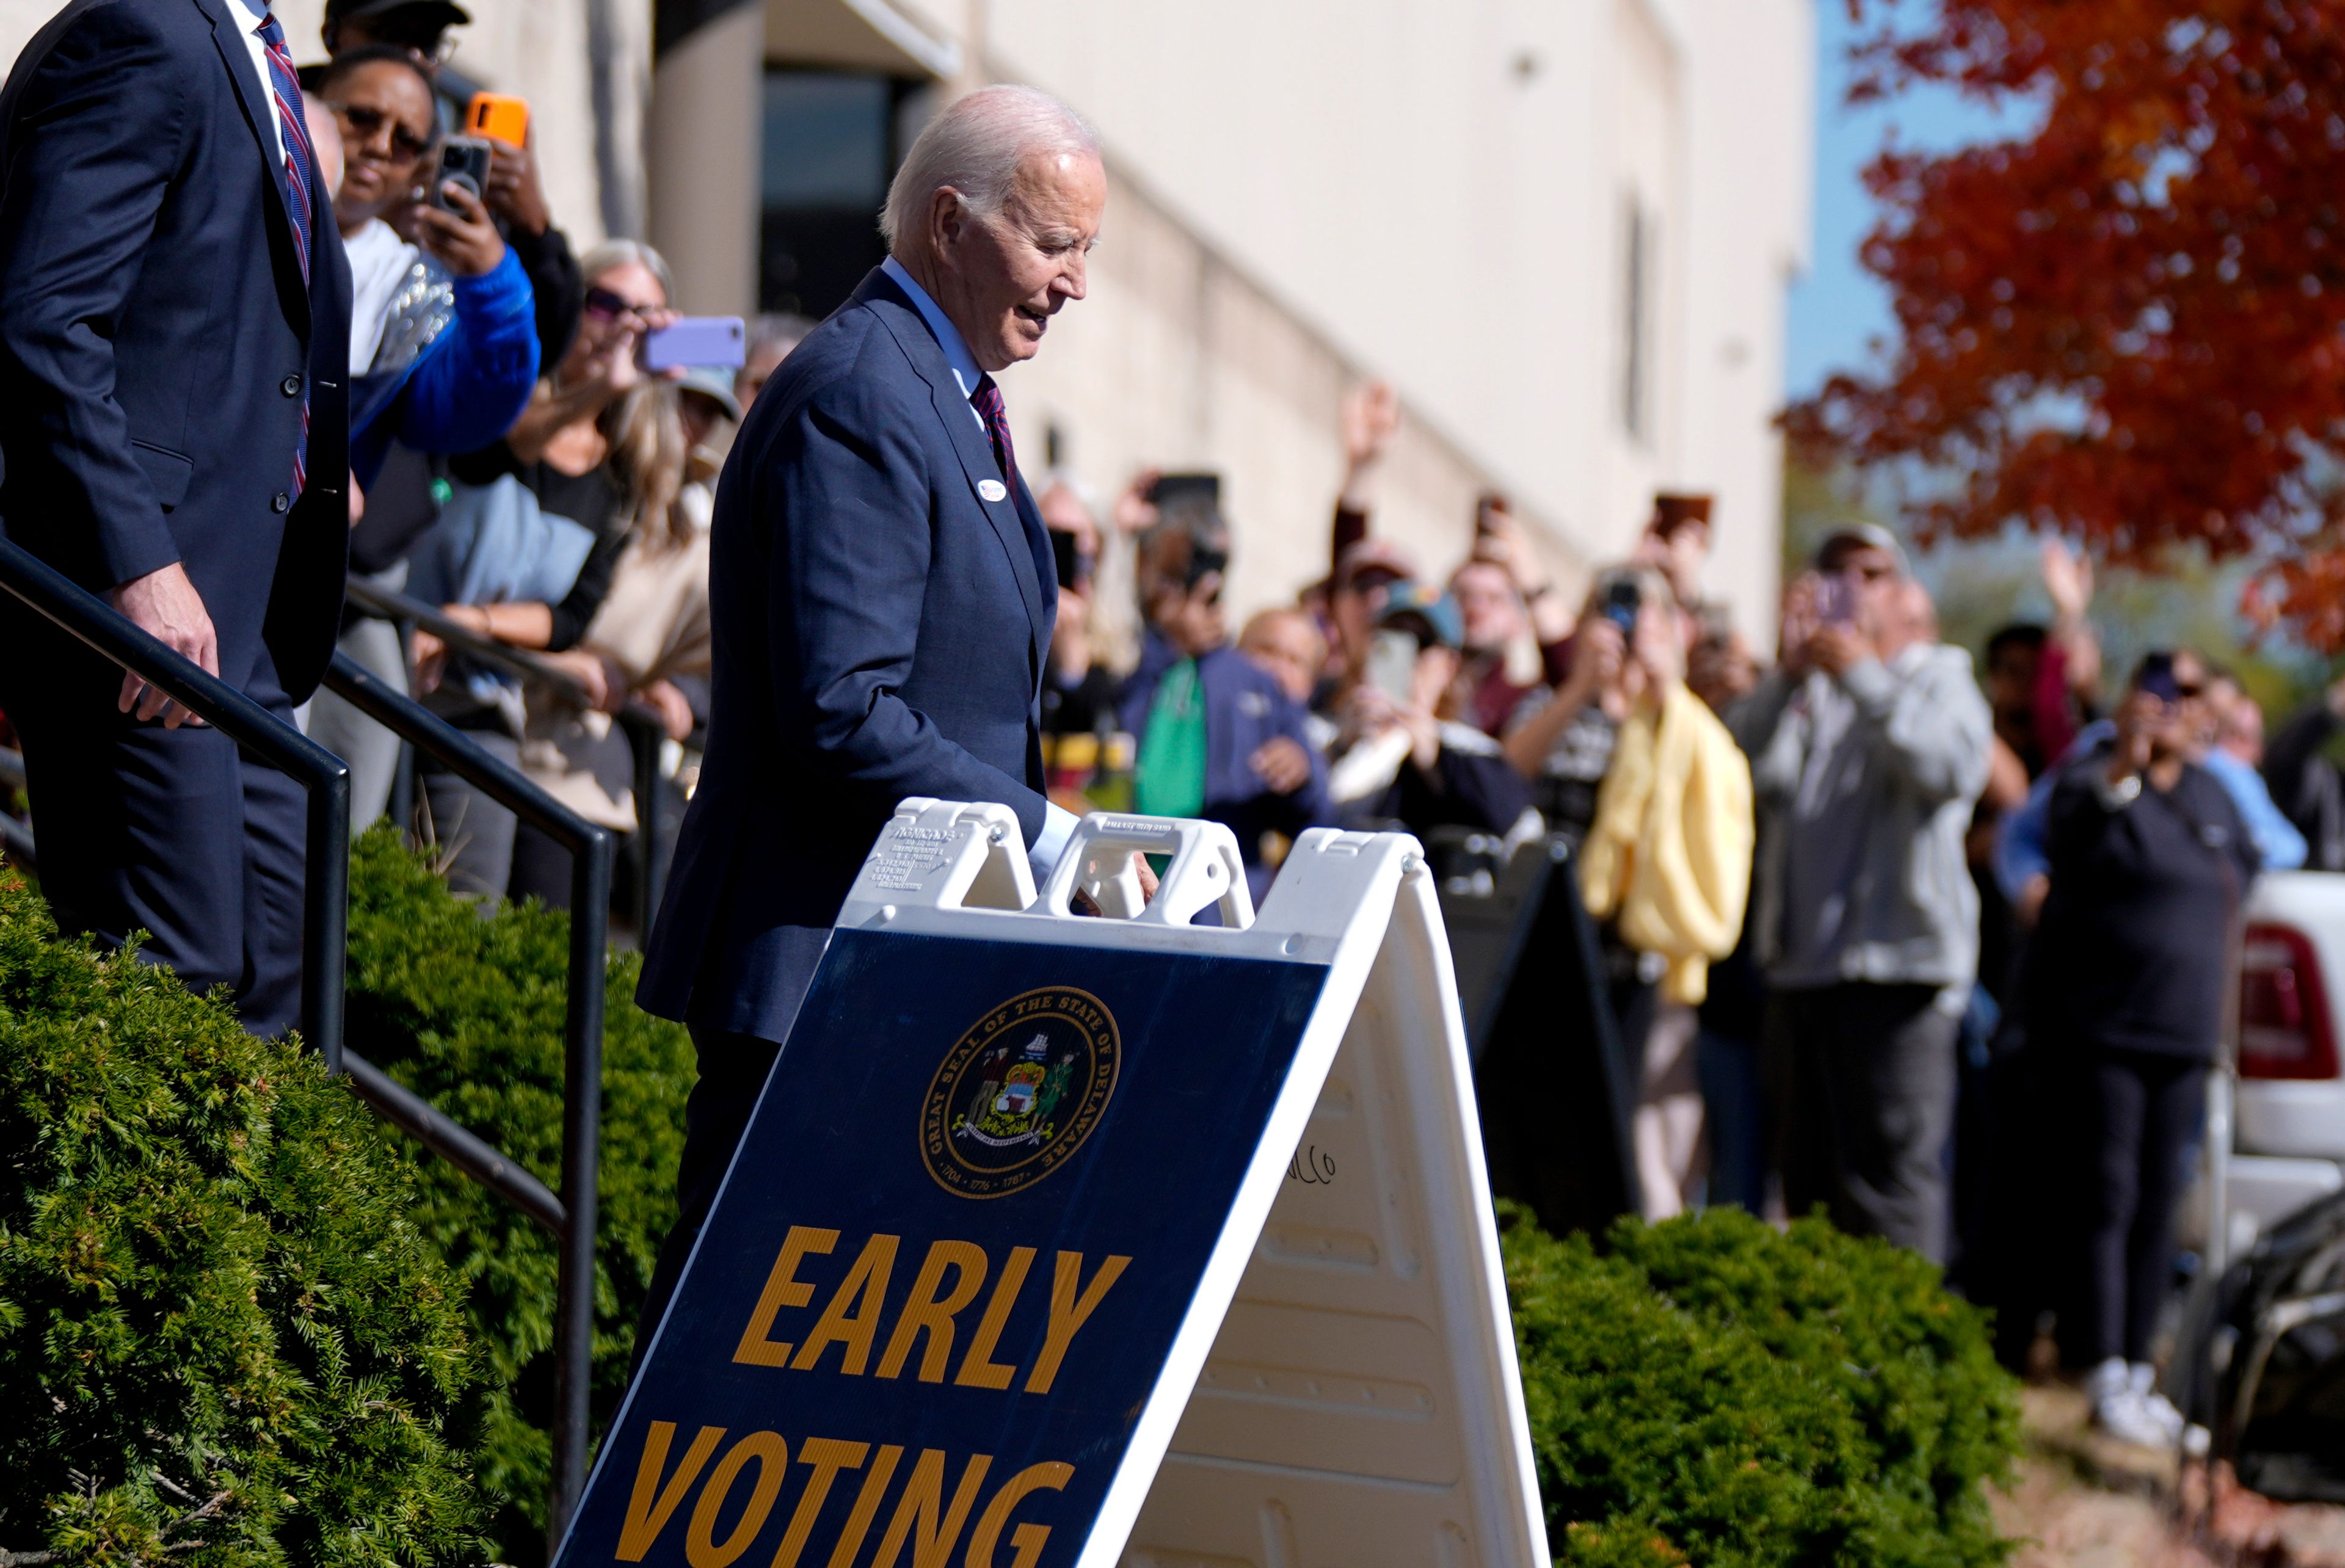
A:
<point x="882" y="596"/>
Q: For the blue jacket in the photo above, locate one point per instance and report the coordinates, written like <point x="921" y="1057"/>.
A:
<point x="878" y="632"/>
<point x="468" y="384"/>
<point x="1244" y="707"/>
<point x="158" y="340"/>
<point x="2022" y="845"/>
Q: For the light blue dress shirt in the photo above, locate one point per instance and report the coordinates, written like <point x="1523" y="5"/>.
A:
<point x="1057" y="822"/>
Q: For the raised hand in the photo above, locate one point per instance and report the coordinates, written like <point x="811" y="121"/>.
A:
<point x="2067" y="578"/>
<point x="1369" y="421"/>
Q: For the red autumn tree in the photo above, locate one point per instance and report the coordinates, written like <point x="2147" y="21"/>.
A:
<point x="2127" y="323"/>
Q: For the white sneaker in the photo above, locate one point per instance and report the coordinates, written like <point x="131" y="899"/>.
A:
<point x="2120" y="1411"/>
<point x="2142" y="1379"/>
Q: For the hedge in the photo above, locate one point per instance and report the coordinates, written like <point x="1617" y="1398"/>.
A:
<point x="223" y="1341"/>
<point x="465" y="1004"/>
<point x="1713" y="1390"/>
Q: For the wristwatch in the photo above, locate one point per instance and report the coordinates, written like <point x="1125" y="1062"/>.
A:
<point x="2118" y="795"/>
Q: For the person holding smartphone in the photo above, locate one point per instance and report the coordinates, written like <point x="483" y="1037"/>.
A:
<point x="602" y="445"/>
<point x="2123" y="993"/>
<point x="443" y="352"/>
<point x="1868" y="747"/>
<point x="1218" y="736"/>
<point x="1408" y="757"/>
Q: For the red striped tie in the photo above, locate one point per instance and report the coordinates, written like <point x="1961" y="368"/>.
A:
<point x="284" y="88"/>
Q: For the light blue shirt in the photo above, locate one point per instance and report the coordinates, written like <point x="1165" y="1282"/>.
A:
<point x="2023" y="846"/>
<point x="2275" y="837"/>
<point x="1057" y="822"/>
<point x="947" y="336"/>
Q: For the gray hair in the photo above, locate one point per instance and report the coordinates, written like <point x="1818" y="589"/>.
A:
<point x="975" y="147"/>
<point x="617" y="253"/>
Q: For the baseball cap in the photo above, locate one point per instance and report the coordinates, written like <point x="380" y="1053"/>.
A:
<point x="1865" y="535"/>
<point x="1429" y="607"/>
<point x="713" y="383"/>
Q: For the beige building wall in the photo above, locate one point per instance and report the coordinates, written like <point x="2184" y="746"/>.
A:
<point x="1442" y="195"/>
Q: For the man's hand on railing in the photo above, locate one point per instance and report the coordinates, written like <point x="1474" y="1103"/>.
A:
<point x="166" y="606"/>
<point x="430" y="659"/>
<point x="674" y="708"/>
<point x="602" y="684"/>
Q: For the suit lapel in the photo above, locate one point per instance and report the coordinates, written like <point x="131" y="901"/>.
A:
<point x="967" y="435"/>
<point x="228" y="19"/>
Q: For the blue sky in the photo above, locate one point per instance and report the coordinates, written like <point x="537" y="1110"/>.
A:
<point x="1837" y="307"/>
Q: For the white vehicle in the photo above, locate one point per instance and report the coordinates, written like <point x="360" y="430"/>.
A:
<point x="2287" y="1096"/>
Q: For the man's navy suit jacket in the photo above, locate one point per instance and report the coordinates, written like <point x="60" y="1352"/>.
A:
<point x="880" y="631"/>
<point x="156" y="338"/>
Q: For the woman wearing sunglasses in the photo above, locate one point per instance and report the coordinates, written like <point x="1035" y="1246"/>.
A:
<point x="2122" y="993"/>
<point x="601" y="444"/>
<point x="443" y="343"/>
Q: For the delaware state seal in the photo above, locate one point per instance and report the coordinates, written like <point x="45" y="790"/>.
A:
<point x="1019" y="1091"/>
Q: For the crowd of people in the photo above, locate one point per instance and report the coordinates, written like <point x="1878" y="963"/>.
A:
<point x="524" y="473"/>
<point x="1912" y="942"/>
<point x="1880" y="934"/>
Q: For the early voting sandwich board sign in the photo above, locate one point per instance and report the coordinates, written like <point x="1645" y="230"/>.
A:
<point x="1062" y="1240"/>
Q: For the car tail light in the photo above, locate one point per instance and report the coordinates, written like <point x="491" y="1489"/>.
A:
<point x="2285" y="1029"/>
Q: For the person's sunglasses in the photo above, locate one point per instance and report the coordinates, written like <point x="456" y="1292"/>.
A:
<point x="609" y="307"/>
<point x="366" y="124"/>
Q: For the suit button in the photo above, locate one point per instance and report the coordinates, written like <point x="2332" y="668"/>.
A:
<point x="291" y="386"/>
<point x="279" y="501"/>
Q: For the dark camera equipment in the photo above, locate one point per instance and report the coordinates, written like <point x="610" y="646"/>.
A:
<point x="1203" y="561"/>
<point x="1622" y="600"/>
<point x="2157" y="677"/>
<point x="463" y="160"/>
<point x="1074" y="567"/>
<point x="1173" y="487"/>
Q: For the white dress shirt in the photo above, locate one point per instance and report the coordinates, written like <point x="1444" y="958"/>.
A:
<point x="255" y="12"/>
<point x="1057" y="822"/>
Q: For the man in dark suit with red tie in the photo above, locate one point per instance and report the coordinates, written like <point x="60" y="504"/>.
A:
<point x="881" y="592"/>
<point x="174" y="348"/>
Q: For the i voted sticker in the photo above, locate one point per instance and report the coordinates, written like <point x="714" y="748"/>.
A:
<point x="992" y="490"/>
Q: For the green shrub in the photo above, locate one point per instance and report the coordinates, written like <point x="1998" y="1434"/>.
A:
<point x="1714" y="1390"/>
<point x="223" y="1341"/>
<point x="467" y="1009"/>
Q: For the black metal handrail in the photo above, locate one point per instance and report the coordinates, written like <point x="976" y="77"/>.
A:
<point x="325" y="940"/>
<point x="324" y="777"/>
<point x="387" y="605"/>
<point x="643" y="728"/>
<point x="571" y="1218"/>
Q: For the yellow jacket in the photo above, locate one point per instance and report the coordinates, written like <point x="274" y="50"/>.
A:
<point x="1668" y="858"/>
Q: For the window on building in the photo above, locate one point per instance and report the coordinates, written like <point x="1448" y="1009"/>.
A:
<point x="830" y="148"/>
<point x="1639" y="254"/>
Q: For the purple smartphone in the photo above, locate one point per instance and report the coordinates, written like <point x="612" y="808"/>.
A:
<point x="696" y="340"/>
<point x="1835" y="600"/>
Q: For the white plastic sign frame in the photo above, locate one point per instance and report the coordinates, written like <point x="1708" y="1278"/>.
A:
<point x="1365" y="1223"/>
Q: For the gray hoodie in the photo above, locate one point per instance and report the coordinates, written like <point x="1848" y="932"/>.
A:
<point x="1864" y="785"/>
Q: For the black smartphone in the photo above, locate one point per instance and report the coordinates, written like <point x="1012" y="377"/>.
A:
<point x="1068" y="559"/>
<point x="1204" y="561"/>
<point x="463" y="160"/>
<point x="2157" y="677"/>
<point x="1174" y="487"/>
<point x="1622" y="600"/>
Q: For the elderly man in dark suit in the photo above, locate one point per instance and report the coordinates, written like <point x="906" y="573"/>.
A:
<point x="174" y="348"/>
<point x="882" y="590"/>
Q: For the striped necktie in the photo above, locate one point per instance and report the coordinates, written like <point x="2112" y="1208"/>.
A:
<point x="987" y="399"/>
<point x="285" y="89"/>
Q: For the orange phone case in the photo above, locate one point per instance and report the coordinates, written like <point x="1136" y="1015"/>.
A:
<point x="498" y="115"/>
